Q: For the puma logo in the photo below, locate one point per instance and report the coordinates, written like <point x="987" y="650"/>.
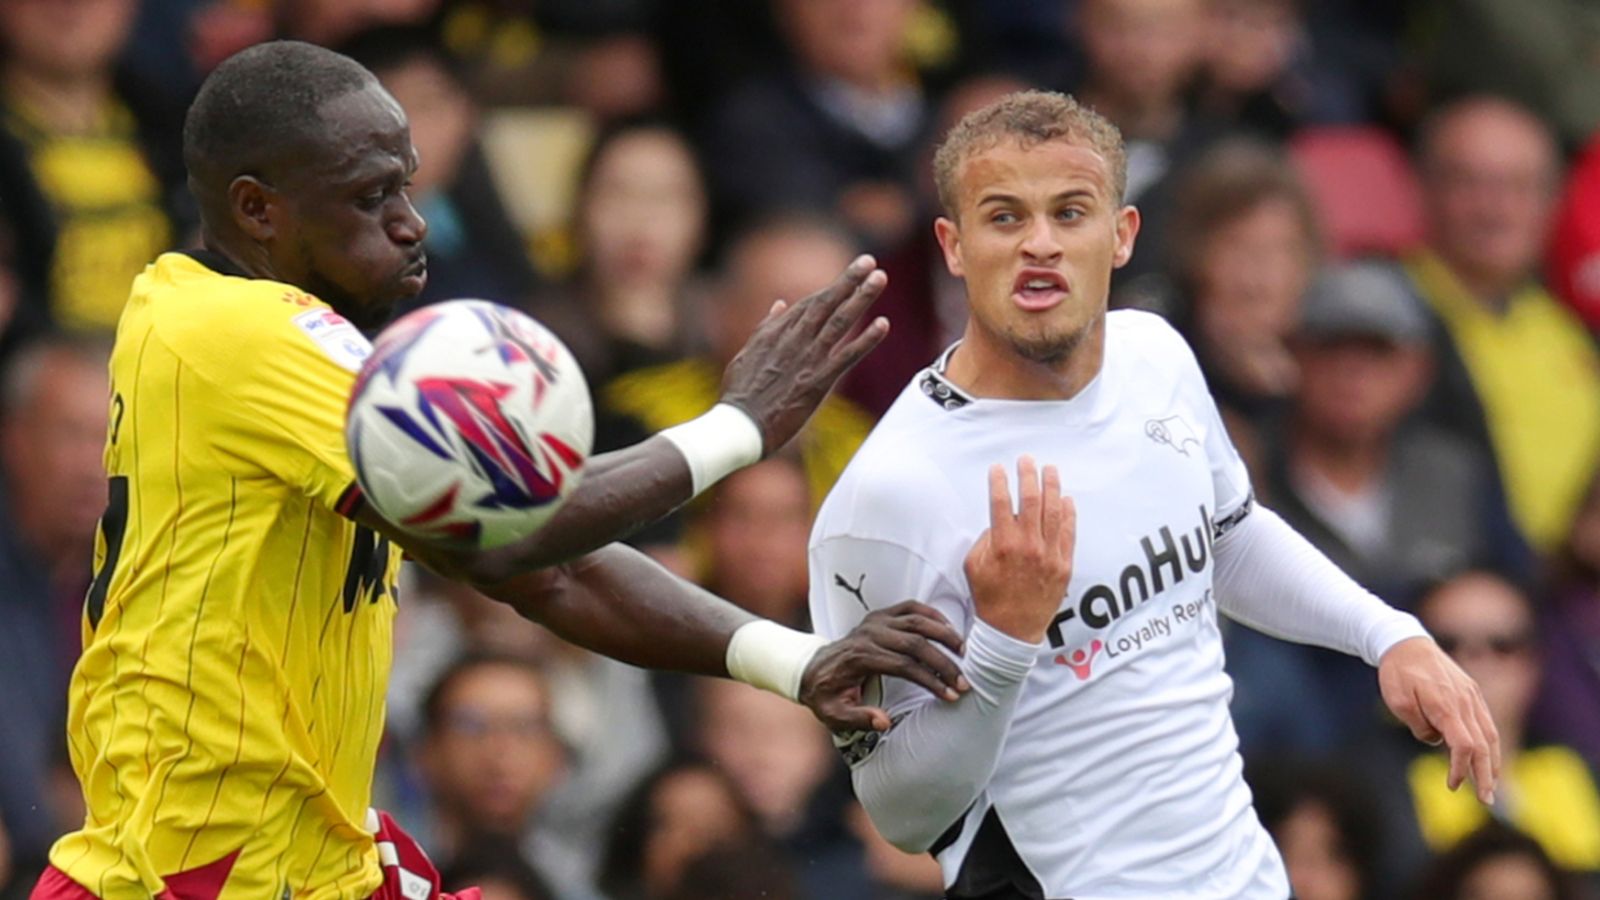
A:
<point x="853" y="588"/>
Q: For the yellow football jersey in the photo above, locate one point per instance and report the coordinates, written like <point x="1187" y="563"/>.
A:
<point x="227" y="709"/>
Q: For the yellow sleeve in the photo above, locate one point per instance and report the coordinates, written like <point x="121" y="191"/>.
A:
<point x="277" y="375"/>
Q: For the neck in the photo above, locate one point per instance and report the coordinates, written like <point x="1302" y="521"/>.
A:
<point x="643" y="314"/>
<point x="1350" y="464"/>
<point x="248" y="256"/>
<point x="1489" y="288"/>
<point x="61" y="103"/>
<point x="986" y="366"/>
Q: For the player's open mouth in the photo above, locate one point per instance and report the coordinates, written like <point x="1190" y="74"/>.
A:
<point x="1036" y="290"/>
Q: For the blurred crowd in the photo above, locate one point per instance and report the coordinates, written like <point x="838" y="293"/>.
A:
<point x="1377" y="222"/>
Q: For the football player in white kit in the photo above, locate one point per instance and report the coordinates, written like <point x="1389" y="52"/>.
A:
<point x="1094" y="757"/>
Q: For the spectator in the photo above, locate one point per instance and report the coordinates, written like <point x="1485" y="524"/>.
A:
<point x="498" y="870"/>
<point x="757" y="526"/>
<point x="895" y="874"/>
<point x="837" y="127"/>
<point x="783" y="257"/>
<point x="473" y="248"/>
<point x="52" y="434"/>
<point x="1244" y="245"/>
<point x="1142" y="59"/>
<point x="1519" y="372"/>
<point x="489" y="757"/>
<point x="684" y="810"/>
<point x="1263" y="72"/>
<point x="91" y="176"/>
<point x="1496" y="862"/>
<point x="785" y="766"/>
<point x="1487" y="625"/>
<point x="1397" y="504"/>
<point x="1568" y="707"/>
<point x="1325" y="826"/>
<point x="640" y="225"/>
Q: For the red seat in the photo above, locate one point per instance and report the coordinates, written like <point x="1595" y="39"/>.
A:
<point x="1366" y="193"/>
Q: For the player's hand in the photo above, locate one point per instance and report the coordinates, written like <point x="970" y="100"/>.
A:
<point x="1439" y="702"/>
<point x="1020" y="566"/>
<point x="897" y="641"/>
<point x="799" y="351"/>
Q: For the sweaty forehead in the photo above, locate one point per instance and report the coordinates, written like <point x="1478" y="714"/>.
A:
<point x="363" y="131"/>
<point x="1043" y="169"/>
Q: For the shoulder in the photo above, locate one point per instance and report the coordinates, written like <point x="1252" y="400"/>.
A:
<point x="201" y="313"/>
<point x="1144" y="330"/>
<point x="891" y="490"/>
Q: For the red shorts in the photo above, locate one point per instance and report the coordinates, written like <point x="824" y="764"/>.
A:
<point x="408" y="874"/>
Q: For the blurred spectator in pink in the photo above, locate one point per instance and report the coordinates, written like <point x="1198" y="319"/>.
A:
<point x="474" y="249"/>
<point x="90" y="175"/>
<point x="640" y="226"/>
<point x="925" y="304"/>
<point x="1497" y="862"/>
<point x="1574" y="262"/>
<point x="1244" y="248"/>
<point x="1568" y="707"/>
<point x="53" y="406"/>
<point x="756" y="529"/>
<point x="790" y="256"/>
<point x="1396" y="503"/>
<point x="489" y="757"/>
<point x="785" y="766"/>
<point x="836" y="128"/>
<point x="1519" y="372"/>
<point x="681" y="812"/>
<point x="1324" y="823"/>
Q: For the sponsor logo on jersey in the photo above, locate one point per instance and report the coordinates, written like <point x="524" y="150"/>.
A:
<point x="1164" y="560"/>
<point x="342" y="341"/>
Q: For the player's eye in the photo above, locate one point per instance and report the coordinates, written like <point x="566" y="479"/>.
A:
<point x="373" y="200"/>
<point x="1004" y="218"/>
<point x="1070" y="214"/>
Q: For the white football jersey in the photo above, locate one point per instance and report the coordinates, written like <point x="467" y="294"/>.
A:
<point x="1120" y="775"/>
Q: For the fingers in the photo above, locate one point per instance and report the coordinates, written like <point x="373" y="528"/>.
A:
<point x="930" y="623"/>
<point x="843" y="318"/>
<point x="841" y="717"/>
<point x="1068" y="536"/>
<point x="1028" y="489"/>
<point x="1051" y="506"/>
<point x="1001" y="515"/>
<point x="844" y="359"/>
<point x="901" y="664"/>
<point x="822" y="304"/>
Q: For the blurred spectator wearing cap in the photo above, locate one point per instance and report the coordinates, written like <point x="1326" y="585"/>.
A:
<point x="1568" y="707"/>
<point x="1244" y="248"/>
<point x="489" y="757"/>
<point x="90" y="174"/>
<point x="784" y="257"/>
<point x="836" y="128"/>
<point x="1397" y="503"/>
<point x="1488" y="626"/>
<point x="473" y="248"/>
<point x="52" y="434"/>
<point x="1519" y="372"/>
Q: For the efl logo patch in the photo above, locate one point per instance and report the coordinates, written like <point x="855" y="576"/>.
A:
<point x="343" y="343"/>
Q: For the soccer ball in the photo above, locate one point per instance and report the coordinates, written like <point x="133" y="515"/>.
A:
<point x="469" y="424"/>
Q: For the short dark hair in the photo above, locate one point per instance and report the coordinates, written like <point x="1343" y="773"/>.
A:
<point x="433" y="704"/>
<point x="261" y="106"/>
<point x="1447" y="875"/>
<point x="1230" y="180"/>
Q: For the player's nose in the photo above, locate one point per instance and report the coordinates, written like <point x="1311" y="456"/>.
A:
<point x="408" y="225"/>
<point x="1039" y="242"/>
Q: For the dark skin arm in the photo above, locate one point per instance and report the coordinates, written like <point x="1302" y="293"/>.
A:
<point x="616" y="601"/>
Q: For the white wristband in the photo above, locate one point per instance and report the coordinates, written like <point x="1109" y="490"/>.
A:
<point x="771" y="657"/>
<point x="717" y="444"/>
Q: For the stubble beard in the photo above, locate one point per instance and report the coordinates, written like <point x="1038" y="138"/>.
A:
<point x="1049" y="350"/>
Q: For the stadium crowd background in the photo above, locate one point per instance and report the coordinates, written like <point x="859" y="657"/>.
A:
<point x="1377" y="222"/>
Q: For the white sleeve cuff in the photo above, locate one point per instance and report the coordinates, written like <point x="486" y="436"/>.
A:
<point x="996" y="660"/>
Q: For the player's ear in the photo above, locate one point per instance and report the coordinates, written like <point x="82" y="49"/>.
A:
<point x="250" y="200"/>
<point x="1127" y="229"/>
<point x="949" y="235"/>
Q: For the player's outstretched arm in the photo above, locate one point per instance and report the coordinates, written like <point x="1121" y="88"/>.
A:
<point x="770" y="390"/>
<point x="618" y="602"/>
